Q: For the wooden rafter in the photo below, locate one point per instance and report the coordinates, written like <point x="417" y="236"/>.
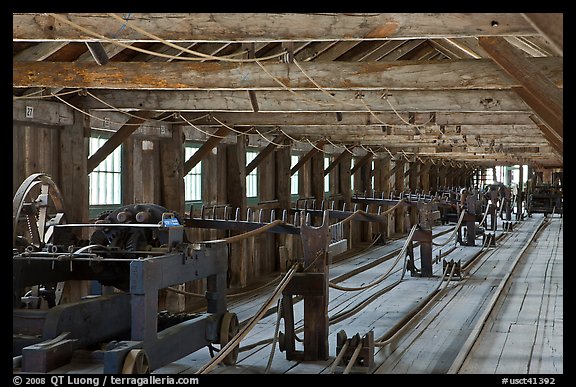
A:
<point x="536" y="89"/>
<point x="551" y="26"/>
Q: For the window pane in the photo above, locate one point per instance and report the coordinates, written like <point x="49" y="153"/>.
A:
<point x="252" y="178"/>
<point x="105" y="180"/>
<point x="327" y="177"/>
<point x="193" y="180"/>
<point x="294" y="178"/>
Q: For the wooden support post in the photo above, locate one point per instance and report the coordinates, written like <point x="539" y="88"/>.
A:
<point x="413" y="185"/>
<point x="73" y="184"/>
<point x="265" y="252"/>
<point x="425" y="172"/>
<point x="172" y="166"/>
<point x="317" y="179"/>
<point x="434" y="177"/>
<point x="520" y="194"/>
<point x="236" y="195"/>
<point x="366" y="186"/>
<point x="284" y="242"/>
<point x="382" y="177"/>
<point x="399" y="187"/>
<point x="345" y="189"/>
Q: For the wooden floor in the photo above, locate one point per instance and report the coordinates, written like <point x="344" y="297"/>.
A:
<point x="525" y="331"/>
<point x="524" y="334"/>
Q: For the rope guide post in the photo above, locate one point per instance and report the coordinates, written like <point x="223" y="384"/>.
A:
<point x="311" y="282"/>
<point x="422" y="234"/>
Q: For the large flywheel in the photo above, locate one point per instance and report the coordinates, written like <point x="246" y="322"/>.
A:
<point x="37" y="205"/>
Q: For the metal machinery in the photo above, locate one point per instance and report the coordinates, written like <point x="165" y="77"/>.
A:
<point x="136" y="250"/>
<point x="545" y="199"/>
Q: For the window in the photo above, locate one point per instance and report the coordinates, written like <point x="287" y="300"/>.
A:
<point x="193" y="180"/>
<point x="294" y="178"/>
<point x="106" y="179"/>
<point x="252" y="177"/>
<point x="373" y="174"/>
<point x="352" y="176"/>
<point x="327" y="176"/>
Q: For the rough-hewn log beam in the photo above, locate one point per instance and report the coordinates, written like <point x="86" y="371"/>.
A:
<point x="215" y="101"/>
<point x="256" y="27"/>
<point x="362" y="118"/>
<point x="400" y="75"/>
<point x="42" y="112"/>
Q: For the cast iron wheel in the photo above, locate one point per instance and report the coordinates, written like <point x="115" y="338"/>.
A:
<point x="31" y="217"/>
<point x="229" y="328"/>
<point x="136" y="362"/>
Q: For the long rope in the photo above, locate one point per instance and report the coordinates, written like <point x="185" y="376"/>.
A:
<point x="275" y="339"/>
<point x="360" y="212"/>
<point x="248" y="234"/>
<point x="454" y="233"/>
<point x="385" y="275"/>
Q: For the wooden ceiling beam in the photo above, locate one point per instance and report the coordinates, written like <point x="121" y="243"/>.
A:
<point x="180" y="75"/>
<point x="223" y="27"/>
<point x="549" y="135"/>
<point x="487" y="119"/>
<point x="215" y="101"/>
